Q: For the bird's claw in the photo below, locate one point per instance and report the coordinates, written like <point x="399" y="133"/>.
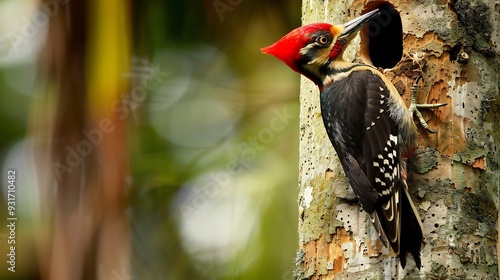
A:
<point x="414" y="107"/>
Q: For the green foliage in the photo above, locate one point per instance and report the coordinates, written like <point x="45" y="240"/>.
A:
<point x="214" y="177"/>
<point x="213" y="139"/>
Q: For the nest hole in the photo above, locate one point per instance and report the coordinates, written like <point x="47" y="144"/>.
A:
<point x="382" y="38"/>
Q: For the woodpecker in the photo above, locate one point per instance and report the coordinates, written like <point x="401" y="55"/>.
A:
<point x="367" y="123"/>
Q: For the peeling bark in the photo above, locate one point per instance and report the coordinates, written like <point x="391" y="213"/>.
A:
<point x="455" y="45"/>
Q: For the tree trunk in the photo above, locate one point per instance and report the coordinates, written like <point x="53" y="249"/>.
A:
<point x="454" y="175"/>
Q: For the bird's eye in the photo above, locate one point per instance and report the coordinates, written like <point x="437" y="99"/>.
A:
<point x="323" y="40"/>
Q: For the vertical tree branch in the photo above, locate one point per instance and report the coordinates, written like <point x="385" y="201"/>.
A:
<point x="82" y="153"/>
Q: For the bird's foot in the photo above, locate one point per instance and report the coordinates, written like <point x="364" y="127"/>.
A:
<point x="414" y="107"/>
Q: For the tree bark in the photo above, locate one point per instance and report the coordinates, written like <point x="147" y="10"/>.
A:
<point x="454" y="179"/>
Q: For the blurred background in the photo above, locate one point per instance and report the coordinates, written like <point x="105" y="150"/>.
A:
<point x="149" y="139"/>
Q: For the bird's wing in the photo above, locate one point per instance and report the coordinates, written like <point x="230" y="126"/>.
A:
<point x="367" y="138"/>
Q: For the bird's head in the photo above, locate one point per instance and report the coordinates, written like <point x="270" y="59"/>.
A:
<point x="312" y="48"/>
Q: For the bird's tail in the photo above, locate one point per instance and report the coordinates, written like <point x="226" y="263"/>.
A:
<point x="397" y="223"/>
<point x="411" y="228"/>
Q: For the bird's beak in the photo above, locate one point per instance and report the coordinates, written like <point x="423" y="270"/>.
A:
<point x="351" y="27"/>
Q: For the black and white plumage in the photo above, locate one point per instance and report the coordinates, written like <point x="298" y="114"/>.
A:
<point x="368" y="124"/>
<point x="366" y="130"/>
